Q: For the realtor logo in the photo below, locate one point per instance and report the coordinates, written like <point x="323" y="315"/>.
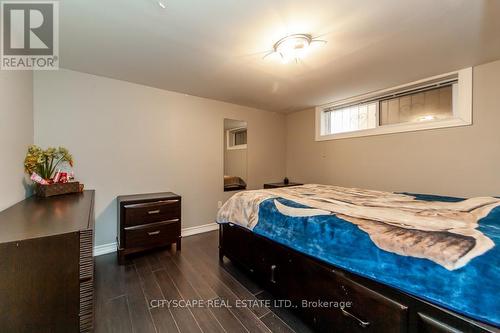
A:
<point x="30" y="35"/>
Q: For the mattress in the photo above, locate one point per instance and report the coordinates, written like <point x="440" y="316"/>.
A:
<point x="440" y="249"/>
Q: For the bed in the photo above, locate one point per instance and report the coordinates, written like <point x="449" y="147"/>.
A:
<point x="424" y="262"/>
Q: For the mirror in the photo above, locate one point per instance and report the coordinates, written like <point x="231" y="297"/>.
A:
<point x="235" y="155"/>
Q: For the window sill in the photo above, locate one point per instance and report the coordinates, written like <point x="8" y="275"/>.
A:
<point x="237" y="147"/>
<point x="397" y="128"/>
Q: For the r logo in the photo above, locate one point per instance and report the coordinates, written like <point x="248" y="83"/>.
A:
<point x="28" y="29"/>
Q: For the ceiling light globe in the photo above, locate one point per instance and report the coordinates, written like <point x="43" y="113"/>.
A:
<point x="293" y="47"/>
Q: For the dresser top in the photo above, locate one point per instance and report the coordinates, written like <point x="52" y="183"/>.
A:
<point x="41" y="217"/>
<point x="147" y="197"/>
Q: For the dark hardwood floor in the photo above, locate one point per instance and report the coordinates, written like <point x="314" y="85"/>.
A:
<point x="128" y="297"/>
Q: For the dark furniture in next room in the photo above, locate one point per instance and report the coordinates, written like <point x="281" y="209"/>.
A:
<point x="46" y="264"/>
<point x="277" y="185"/>
<point x="146" y="221"/>
<point x="234" y="183"/>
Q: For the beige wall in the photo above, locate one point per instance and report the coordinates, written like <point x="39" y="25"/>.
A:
<point x="235" y="160"/>
<point x="16" y="133"/>
<point x="128" y="138"/>
<point x="461" y="161"/>
<point x="235" y="163"/>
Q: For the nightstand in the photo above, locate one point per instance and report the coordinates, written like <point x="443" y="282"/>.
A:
<point x="147" y="221"/>
<point x="277" y="185"/>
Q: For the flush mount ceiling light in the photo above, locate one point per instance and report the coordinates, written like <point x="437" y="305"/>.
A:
<point x="162" y="4"/>
<point x="294" y="47"/>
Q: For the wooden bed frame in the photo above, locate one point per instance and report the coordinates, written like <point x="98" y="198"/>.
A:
<point x="373" y="307"/>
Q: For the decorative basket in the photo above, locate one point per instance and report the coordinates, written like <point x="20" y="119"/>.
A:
<point x="57" y="189"/>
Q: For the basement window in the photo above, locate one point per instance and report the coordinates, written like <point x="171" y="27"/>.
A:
<point x="236" y="138"/>
<point x="437" y="102"/>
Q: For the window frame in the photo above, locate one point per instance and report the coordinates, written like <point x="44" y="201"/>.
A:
<point x="229" y="134"/>
<point x="462" y="112"/>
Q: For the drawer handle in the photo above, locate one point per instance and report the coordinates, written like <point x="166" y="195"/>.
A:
<point x="273" y="269"/>
<point x="152" y="233"/>
<point x="151" y="212"/>
<point x="360" y="322"/>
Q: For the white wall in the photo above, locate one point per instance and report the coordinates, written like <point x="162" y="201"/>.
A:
<point x="460" y="161"/>
<point x="16" y="133"/>
<point x="128" y="138"/>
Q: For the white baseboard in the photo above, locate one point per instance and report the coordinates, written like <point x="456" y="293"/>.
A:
<point x="99" y="250"/>
<point x="199" y="229"/>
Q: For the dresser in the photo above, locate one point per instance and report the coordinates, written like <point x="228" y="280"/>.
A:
<point x="46" y="264"/>
<point x="147" y="221"/>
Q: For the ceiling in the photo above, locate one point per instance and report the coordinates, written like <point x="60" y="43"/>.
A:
<point x="214" y="48"/>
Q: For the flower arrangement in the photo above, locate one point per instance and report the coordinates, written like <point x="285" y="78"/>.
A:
<point x="45" y="162"/>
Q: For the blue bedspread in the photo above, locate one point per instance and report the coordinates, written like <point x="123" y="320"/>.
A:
<point x="473" y="290"/>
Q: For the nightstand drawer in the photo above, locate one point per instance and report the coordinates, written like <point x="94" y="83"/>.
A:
<point x="153" y="234"/>
<point x="150" y="212"/>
